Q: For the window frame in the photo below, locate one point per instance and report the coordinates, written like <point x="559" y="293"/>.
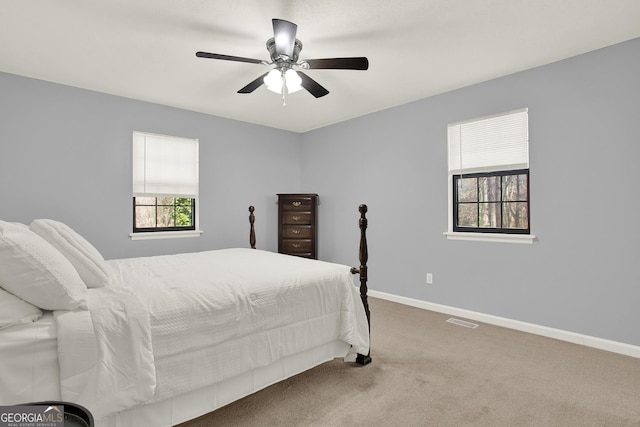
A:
<point x="498" y="230"/>
<point x="156" y="229"/>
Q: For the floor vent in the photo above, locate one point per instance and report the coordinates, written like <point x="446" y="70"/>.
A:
<point x="462" y="323"/>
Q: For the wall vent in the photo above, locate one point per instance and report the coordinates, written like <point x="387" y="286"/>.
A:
<point x="462" y="323"/>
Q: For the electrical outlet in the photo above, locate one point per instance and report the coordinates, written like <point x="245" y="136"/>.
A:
<point x="429" y="278"/>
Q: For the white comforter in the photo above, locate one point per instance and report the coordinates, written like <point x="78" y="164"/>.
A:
<point x="105" y="354"/>
<point x="172" y="324"/>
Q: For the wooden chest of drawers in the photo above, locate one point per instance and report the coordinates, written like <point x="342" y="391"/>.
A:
<point x="297" y="224"/>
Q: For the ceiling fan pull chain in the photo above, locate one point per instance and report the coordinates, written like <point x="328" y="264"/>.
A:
<point x="284" y="90"/>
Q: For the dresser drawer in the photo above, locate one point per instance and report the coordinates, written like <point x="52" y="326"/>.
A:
<point x="296" y="204"/>
<point x="297" y="218"/>
<point x="297" y="232"/>
<point x="295" y="246"/>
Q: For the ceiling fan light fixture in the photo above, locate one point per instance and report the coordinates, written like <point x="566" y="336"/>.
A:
<point x="294" y="82"/>
<point x="274" y="81"/>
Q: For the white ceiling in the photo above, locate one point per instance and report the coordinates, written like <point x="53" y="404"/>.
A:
<point x="145" y="49"/>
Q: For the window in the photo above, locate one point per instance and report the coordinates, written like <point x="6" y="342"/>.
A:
<point x="165" y="183"/>
<point x="492" y="202"/>
<point x="163" y="214"/>
<point x="489" y="175"/>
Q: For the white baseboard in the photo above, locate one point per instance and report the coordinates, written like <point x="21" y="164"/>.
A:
<point x="559" y="334"/>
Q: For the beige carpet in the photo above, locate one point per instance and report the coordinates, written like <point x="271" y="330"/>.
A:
<point x="427" y="372"/>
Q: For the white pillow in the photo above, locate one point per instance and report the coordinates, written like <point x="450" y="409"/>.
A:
<point x="35" y="271"/>
<point x="89" y="263"/>
<point x="16" y="311"/>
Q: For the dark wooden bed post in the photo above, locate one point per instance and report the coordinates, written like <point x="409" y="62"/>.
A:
<point x="252" y="233"/>
<point x="364" y="257"/>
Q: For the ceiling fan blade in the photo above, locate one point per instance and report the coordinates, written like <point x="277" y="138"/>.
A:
<point x="312" y="86"/>
<point x="253" y="85"/>
<point x="227" y="57"/>
<point x="284" y="33"/>
<point x="357" y="63"/>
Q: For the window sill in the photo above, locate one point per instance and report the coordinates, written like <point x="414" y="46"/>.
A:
<point x="492" y="237"/>
<point x="165" y="235"/>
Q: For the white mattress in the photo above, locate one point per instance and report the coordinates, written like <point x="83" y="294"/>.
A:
<point x="29" y="358"/>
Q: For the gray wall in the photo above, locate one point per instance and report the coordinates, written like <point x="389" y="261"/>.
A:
<point x="65" y="153"/>
<point x="580" y="275"/>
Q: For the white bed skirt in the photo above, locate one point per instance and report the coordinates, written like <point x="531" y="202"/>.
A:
<point x="191" y="405"/>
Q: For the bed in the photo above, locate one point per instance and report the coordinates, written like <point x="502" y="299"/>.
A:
<point x="164" y="339"/>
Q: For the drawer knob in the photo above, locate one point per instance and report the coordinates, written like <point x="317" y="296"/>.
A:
<point x="296" y="204"/>
<point x="296" y="245"/>
<point x="296" y="218"/>
<point x="295" y="231"/>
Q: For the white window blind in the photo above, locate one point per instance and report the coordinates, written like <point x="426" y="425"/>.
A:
<point x="164" y="166"/>
<point x="490" y="144"/>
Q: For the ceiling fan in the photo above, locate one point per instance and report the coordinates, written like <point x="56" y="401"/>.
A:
<point x="284" y="49"/>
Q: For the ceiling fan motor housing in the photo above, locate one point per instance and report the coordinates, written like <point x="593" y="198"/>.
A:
<point x="277" y="59"/>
